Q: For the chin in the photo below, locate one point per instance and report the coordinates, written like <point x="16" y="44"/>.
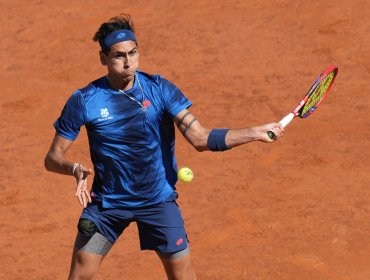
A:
<point x="128" y="76"/>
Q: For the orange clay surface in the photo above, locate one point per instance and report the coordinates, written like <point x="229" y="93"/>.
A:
<point x="297" y="209"/>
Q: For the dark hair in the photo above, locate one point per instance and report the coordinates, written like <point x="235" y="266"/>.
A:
<point x="123" y="21"/>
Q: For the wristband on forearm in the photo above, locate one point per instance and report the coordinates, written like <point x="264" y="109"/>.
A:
<point x="75" y="166"/>
<point x="217" y="140"/>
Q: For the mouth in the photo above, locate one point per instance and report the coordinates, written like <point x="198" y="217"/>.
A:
<point x="127" y="75"/>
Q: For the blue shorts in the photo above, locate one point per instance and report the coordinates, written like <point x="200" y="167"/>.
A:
<point x="161" y="226"/>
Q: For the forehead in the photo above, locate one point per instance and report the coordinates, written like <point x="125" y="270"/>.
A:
<point x="124" y="46"/>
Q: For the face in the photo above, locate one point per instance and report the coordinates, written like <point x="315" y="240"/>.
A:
<point x="122" y="61"/>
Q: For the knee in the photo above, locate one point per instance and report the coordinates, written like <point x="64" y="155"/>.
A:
<point x="179" y="268"/>
<point x="84" y="267"/>
<point x="186" y="270"/>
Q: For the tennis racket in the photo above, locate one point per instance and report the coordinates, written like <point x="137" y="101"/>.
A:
<point x="313" y="98"/>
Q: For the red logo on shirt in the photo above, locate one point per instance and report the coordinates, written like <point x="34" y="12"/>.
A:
<point x="179" y="242"/>
<point x="146" y="103"/>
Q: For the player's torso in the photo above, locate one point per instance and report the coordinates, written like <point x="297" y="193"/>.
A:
<point x="125" y="139"/>
<point x="114" y="118"/>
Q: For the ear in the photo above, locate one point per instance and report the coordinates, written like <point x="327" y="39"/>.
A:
<point x="103" y="58"/>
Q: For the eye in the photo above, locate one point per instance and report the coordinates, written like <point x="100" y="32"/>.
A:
<point x="133" y="52"/>
<point x="118" y="55"/>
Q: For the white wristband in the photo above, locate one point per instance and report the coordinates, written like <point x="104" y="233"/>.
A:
<point x="75" y="166"/>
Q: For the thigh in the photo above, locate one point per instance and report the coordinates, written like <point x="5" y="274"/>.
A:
<point x="96" y="244"/>
<point x="161" y="228"/>
<point x="109" y="222"/>
<point x="88" y="254"/>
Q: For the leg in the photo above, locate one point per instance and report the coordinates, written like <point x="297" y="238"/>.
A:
<point x="161" y="228"/>
<point x="84" y="265"/>
<point x="178" y="265"/>
<point x="89" y="251"/>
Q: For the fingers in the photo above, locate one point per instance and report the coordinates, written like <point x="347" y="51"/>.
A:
<point x="274" y="132"/>
<point x="83" y="197"/>
<point x="278" y="130"/>
<point x="82" y="193"/>
<point x="79" y="192"/>
<point x="88" y="196"/>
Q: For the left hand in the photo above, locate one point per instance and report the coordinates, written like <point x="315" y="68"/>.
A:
<point x="82" y="192"/>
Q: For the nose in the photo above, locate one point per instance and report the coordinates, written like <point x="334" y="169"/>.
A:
<point x="127" y="63"/>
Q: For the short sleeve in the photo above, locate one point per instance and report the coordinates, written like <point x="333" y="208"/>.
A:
<point x="174" y="100"/>
<point x="72" y="117"/>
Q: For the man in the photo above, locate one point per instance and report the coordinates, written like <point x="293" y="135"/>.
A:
<point x="129" y="118"/>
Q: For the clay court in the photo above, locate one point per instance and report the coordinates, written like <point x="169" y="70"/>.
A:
<point x="297" y="209"/>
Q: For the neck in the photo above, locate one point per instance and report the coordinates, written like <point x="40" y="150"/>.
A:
<point x="119" y="84"/>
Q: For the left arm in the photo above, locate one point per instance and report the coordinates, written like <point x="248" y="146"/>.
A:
<point x="198" y="136"/>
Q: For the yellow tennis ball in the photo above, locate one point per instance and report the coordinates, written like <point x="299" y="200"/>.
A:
<point x="185" y="174"/>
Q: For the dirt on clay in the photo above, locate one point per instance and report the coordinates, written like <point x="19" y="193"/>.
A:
<point x="295" y="209"/>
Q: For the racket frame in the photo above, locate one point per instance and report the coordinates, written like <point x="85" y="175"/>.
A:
<point x="297" y="110"/>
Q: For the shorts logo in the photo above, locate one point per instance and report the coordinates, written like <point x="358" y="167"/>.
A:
<point x="179" y="242"/>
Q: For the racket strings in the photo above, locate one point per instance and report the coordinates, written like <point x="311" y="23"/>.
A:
<point x="317" y="94"/>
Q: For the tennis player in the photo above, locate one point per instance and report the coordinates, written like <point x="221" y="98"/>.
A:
<point x="129" y="116"/>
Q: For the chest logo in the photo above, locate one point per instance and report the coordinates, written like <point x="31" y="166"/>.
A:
<point x="104" y="112"/>
<point x="104" y="115"/>
<point x="146" y="103"/>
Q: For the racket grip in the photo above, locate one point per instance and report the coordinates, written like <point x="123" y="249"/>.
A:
<point x="284" y="122"/>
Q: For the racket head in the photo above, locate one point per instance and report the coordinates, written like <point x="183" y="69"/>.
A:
<point x="318" y="91"/>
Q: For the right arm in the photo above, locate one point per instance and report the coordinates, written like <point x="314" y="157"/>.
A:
<point x="56" y="161"/>
<point x="197" y="135"/>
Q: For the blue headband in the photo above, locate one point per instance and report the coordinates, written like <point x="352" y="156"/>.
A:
<point x="118" y="36"/>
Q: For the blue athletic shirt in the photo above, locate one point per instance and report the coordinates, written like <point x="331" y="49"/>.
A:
<point x="132" y="150"/>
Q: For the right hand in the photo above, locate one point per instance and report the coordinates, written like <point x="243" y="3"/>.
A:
<point x="276" y="128"/>
<point x="82" y="192"/>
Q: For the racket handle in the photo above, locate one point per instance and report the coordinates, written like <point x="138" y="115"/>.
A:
<point x="284" y="122"/>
